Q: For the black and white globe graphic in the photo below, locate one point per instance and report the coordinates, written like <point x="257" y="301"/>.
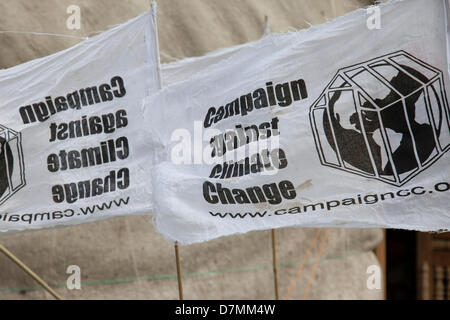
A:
<point x="387" y="118"/>
<point x="12" y="167"/>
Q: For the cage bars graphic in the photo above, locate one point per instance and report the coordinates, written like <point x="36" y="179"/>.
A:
<point x="12" y="165"/>
<point x="392" y="119"/>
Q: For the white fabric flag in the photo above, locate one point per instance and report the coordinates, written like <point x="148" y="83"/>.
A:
<point x="71" y="131"/>
<point x="341" y="125"/>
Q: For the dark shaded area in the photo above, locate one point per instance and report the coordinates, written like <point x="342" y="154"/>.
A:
<point x="401" y="264"/>
<point x="6" y="165"/>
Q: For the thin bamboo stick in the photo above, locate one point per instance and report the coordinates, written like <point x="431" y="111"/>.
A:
<point x="302" y="264"/>
<point x="274" y="260"/>
<point x="316" y="263"/>
<point x="179" y="275"/>
<point x="30" y="272"/>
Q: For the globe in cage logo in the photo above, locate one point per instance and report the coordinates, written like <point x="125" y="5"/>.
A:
<point x="386" y="119"/>
<point x="12" y="177"/>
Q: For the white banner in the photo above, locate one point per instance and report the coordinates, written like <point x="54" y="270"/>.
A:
<point x="73" y="148"/>
<point x="341" y="125"/>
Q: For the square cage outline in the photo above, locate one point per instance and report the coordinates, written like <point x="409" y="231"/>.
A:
<point x="353" y="86"/>
<point x="21" y="162"/>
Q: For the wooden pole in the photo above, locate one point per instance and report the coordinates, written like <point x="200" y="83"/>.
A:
<point x="33" y="275"/>
<point x="274" y="241"/>
<point x="266" y="26"/>
<point x="274" y="261"/>
<point x="153" y="7"/>
<point x="179" y="276"/>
